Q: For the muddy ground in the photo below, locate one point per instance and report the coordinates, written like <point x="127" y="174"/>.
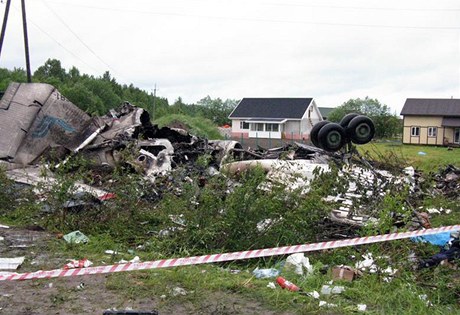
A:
<point x="89" y="294"/>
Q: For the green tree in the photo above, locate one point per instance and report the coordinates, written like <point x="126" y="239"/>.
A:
<point x="216" y="109"/>
<point x="51" y="69"/>
<point x="386" y="124"/>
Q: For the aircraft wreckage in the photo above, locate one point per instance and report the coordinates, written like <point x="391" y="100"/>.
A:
<point x="39" y="125"/>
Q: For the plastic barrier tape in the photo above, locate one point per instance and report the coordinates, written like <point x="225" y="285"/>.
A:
<point x="206" y="259"/>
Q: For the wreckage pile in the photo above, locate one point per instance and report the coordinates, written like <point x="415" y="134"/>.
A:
<point x="43" y="132"/>
<point x="448" y="182"/>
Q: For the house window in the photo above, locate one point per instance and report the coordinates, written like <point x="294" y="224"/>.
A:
<point x="432" y="131"/>
<point x="415" y="131"/>
<point x="272" y="127"/>
<point x="257" y="127"/>
<point x="244" y="125"/>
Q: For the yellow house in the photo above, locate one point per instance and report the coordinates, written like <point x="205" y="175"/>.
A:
<point x="431" y="121"/>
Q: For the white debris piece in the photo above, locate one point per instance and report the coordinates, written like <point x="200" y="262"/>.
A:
<point x="271" y="285"/>
<point x="299" y="262"/>
<point x="178" y="291"/>
<point x="328" y="289"/>
<point x="135" y="260"/>
<point x="313" y="294"/>
<point x="433" y="211"/>
<point x="367" y="263"/>
<point x="11" y="263"/>
<point x="324" y="303"/>
<point x="362" y="307"/>
<point x="111" y="252"/>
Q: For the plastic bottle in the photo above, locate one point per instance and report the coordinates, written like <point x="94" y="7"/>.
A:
<point x="288" y="285"/>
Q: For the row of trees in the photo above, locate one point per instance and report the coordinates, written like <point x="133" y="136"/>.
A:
<point x="96" y="95"/>
<point x="387" y="125"/>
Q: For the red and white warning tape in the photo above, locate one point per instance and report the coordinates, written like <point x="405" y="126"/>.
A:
<point x="205" y="259"/>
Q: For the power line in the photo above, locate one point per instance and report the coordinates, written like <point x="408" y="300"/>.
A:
<point x="62" y="46"/>
<point x="78" y="37"/>
<point x="365" y="8"/>
<point x="124" y="10"/>
<point x="56" y="41"/>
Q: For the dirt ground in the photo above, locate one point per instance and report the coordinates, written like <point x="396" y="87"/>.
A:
<point x="89" y="294"/>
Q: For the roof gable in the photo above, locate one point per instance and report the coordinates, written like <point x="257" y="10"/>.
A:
<point x="431" y="107"/>
<point x="325" y="111"/>
<point x="293" y="108"/>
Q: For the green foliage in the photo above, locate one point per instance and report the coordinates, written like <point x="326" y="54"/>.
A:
<point x="241" y="217"/>
<point x="6" y="192"/>
<point x="216" y="110"/>
<point x="198" y="126"/>
<point x="386" y="124"/>
<point x="8" y="76"/>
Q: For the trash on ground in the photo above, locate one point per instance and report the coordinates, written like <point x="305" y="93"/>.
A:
<point x="449" y="252"/>
<point x="136" y="259"/>
<point x="271" y="285"/>
<point x="314" y="294"/>
<point x="326" y="304"/>
<point x="367" y="263"/>
<point x="2" y="226"/>
<point x="11" y="263"/>
<point x="346" y="273"/>
<point x="76" y="237"/>
<point x="299" y="263"/>
<point x="439" y="239"/>
<point x="361" y="307"/>
<point x="111" y="252"/>
<point x="265" y="273"/>
<point x="74" y="263"/>
<point x="327" y="289"/>
<point x="176" y="291"/>
<point x="114" y="311"/>
<point x="288" y="285"/>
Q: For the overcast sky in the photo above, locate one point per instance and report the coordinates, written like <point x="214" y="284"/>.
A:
<point x="325" y="49"/>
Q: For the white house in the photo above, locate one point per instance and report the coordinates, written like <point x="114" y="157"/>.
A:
<point x="275" y="118"/>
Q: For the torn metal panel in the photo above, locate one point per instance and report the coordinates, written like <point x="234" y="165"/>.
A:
<point x="18" y="108"/>
<point x="122" y="124"/>
<point x="302" y="167"/>
<point x="34" y="176"/>
<point x="226" y="150"/>
<point x="34" y="118"/>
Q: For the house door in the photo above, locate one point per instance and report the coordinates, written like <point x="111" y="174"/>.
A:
<point x="457" y="135"/>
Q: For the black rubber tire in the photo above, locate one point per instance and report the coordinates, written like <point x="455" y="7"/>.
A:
<point x="332" y="137"/>
<point x="361" y="129"/>
<point x="346" y="119"/>
<point x="314" y="132"/>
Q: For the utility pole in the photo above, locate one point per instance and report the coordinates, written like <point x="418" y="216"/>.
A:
<point x="5" y="20"/>
<point x="154" y="97"/>
<point x="26" y="40"/>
